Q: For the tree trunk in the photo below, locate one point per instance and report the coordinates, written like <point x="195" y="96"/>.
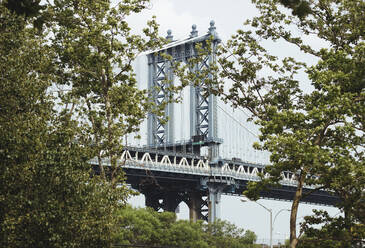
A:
<point x="294" y="211"/>
<point x="102" y="171"/>
<point x="109" y="119"/>
<point x="91" y="118"/>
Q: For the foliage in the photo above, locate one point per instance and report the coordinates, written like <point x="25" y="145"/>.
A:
<point x="48" y="76"/>
<point x="300" y="8"/>
<point x="27" y="8"/>
<point x="142" y="226"/>
<point x="333" y="232"/>
<point x="178" y="232"/>
<point x="95" y="49"/>
<point x="224" y="234"/>
<point x="47" y="198"/>
<point x="316" y="134"/>
<point x="149" y="228"/>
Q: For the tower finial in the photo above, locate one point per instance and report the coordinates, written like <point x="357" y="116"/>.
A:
<point x="212" y="31"/>
<point x="169" y="35"/>
<point x="212" y="27"/>
<point x="194" y="32"/>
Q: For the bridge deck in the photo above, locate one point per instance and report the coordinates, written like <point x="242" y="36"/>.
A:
<point x="183" y="173"/>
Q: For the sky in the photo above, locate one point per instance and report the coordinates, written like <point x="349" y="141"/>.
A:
<point x="229" y="16"/>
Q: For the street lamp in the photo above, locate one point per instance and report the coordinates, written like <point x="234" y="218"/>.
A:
<point x="276" y="215"/>
<point x="281" y="210"/>
<point x="270" y="211"/>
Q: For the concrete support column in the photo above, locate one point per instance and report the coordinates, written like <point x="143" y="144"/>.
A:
<point x="195" y="206"/>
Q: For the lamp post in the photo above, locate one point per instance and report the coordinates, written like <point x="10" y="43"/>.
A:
<point x="276" y="215"/>
<point x="270" y="211"/>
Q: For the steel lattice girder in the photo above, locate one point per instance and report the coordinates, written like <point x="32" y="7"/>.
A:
<point x="159" y="76"/>
<point x="203" y="109"/>
<point x="159" y="97"/>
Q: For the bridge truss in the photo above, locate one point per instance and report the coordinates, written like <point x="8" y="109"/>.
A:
<point x="167" y="179"/>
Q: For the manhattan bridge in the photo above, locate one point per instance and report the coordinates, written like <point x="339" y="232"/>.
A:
<point x="205" y="148"/>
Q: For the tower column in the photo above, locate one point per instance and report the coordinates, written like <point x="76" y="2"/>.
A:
<point x="214" y="199"/>
<point x="197" y="207"/>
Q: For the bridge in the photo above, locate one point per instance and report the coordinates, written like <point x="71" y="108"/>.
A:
<point x="193" y="170"/>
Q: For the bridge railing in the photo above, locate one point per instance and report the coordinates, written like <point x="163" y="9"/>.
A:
<point x="201" y="167"/>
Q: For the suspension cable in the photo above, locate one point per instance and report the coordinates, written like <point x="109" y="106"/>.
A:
<point x="239" y="123"/>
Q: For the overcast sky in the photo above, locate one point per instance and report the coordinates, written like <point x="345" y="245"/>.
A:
<point x="229" y="16"/>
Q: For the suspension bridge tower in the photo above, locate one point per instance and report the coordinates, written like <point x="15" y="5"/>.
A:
<point x="203" y="122"/>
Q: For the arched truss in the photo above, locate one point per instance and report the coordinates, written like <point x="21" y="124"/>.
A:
<point x="178" y="164"/>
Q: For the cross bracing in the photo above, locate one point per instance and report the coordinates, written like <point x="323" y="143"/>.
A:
<point x="203" y="113"/>
<point x="160" y="94"/>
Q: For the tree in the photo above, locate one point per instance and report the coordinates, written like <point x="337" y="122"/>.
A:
<point x="224" y="234"/>
<point x="26" y="8"/>
<point x="300" y="8"/>
<point x="317" y="135"/>
<point x="95" y="49"/>
<point x="146" y="227"/>
<point x="142" y="226"/>
<point x="178" y="232"/>
<point x="47" y="198"/>
<point x="333" y="232"/>
<point x="149" y="228"/>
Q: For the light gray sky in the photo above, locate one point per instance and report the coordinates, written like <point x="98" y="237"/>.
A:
<point x="228" y="15"/>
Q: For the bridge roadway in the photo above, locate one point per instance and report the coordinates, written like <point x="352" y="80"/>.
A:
<point x="167" y="178"/>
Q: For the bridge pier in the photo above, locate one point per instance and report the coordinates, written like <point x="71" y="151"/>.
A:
<point x="197" y="202"/>
<point x="203" y="205"/>
<point x="166" y="201"/>
<point x="214" y="198"/>
<point x="197" y="207"/>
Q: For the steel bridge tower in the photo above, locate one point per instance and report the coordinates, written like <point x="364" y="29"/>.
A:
<point x="203" y="110"/>
<point x="203" y="118"/>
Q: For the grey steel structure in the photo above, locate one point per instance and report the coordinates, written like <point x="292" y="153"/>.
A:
<point x="203" y="110"/>
<point x="168" y="172"/>
<point x="167" y="178"/>
<point x="160" y="76"/>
